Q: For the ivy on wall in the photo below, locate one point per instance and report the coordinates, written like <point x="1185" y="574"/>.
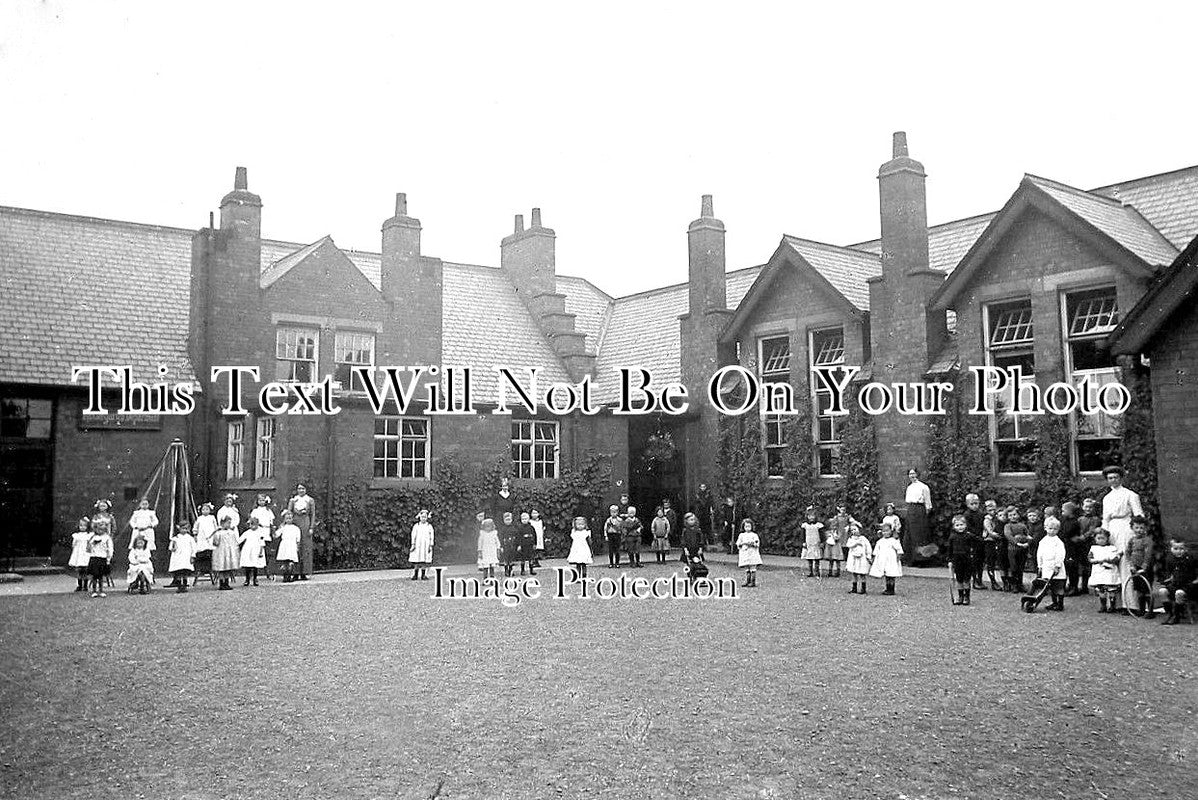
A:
<point x="958" y="462"/>
<point x="371" y="528"/>
<point x="777" y="505"/>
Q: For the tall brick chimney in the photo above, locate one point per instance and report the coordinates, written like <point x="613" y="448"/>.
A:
<point x="226" y="267"/>
<point x="905" y="335"/>
<point x="706" y="265"/>
<point x="412" y="282"/>
<point x="700" y="328"/>
<point x="528" y="258"/>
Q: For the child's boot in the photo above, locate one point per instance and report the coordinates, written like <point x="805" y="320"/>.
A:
<point x="967" y="593"/>
<point x="862" y="587"/>
<point x="854" y="589"/>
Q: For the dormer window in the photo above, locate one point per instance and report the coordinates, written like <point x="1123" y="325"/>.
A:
<point x="295" y="354"/>
<point x="352" y="349"/>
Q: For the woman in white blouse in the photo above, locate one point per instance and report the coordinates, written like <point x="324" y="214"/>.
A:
<point x="919" y="506"/>
<point x="1119" y="505"/>
<point x="303" y="513"/>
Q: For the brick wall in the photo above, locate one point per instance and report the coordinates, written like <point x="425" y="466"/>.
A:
<point x="1041" y="259"/>
<point x="90" y="464"/>
<point x="1174" y="355"/>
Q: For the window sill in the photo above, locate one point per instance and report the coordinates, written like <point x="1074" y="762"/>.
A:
<point x="242" y="485"/>
<point x="1015" y="480"/>
<point x="398" y="483"/>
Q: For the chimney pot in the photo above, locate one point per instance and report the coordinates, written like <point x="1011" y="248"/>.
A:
<point x="240" y="181"/>
<point x="900" y="144"/>
<point x="519" y="223"/>
<point x="536" y="218"/>
<point x="707" y="210"/>
<point x="401" y="204"/>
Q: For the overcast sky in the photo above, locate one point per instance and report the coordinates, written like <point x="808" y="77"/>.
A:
<point x="613" y="120"/>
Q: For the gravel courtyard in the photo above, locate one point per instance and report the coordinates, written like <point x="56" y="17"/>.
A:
<point x="795" y="689"/>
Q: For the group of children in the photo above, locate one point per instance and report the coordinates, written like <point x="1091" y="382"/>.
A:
<point x="841" y="539"/>
<point x="507" y="544"/>
<point x="214" y="546"/>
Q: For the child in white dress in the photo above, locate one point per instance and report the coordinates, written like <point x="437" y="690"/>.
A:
<point x="887" y="554"/>
<point x="890" y="515"/>
<point x="858" y="562"/>
<point x="1104" y="560"/>
<point x="488" y="547"/>
<point x="79" y="558"/>
<point x="420" y="553"/>
<point x="748" y="545"/>
<point x="813" y="542"/>
<point x="538" y="525"/>
<point x="265" y="516"/>
<point x="253" y="551"/>
<point x="143" y="522"/>
<point x="229" y="511"/>
<point x="203" y="530"/>
<point x="288" y="535"/>
<point x="183" y="551"/>
<point x="140" y="574"/>
<point x="580" y="555"/>
<point x="224" y="553"/>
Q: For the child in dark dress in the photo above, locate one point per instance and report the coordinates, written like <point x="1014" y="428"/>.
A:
<point x="961" y="543"/>
<point x="509" y="538"/>
<point x="993" y="544"/>
<point x="1077" y="546"/>
<point x="1018" y="542"/>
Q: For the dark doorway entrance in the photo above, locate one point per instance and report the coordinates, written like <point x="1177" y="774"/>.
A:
<point x="26" y="466"/>
<point x="656" y="465"/>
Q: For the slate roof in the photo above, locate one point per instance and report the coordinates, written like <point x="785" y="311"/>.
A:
<point x="485" y="324"/>
<point x="947" y="243"/>
<point x="1169" y="201"/>
<point x="75" y="289"/>
<point x="1124" y="224"/>
<point x="843" y="267"/>
<point x="644" y="332"/>
<point x="81" y="290"/>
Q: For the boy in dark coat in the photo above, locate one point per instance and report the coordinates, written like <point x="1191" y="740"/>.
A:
<point x="961" y="544"/>
<point x="1180" y="585"/>
<point x="973" y="523"/>
<point x="613" y="533"/>
<point x="632" y="537"/>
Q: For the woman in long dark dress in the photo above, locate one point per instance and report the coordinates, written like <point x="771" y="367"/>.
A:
<point x="915" y="529"/>
<point x="303" y="515"/>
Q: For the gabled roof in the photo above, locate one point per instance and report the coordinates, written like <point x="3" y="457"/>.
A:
<point x="644" y="332"/>
<point x="281" y="267"/>
<point x="1124" y="224"/>
<point x="1119" y="231"/>
<point x="845" y="269"/>
<point x="839" y="272"/>
<point x="1176" y="288"/>
<point x="82" y="290"/>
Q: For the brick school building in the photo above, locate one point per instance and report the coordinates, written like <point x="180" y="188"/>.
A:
<point x="1040" y="283"/>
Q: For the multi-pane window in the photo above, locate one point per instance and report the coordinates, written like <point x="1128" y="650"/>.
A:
<point x="1009" y="340"/>
<point x="1089" y="317"/>
<point x="534" y="449"/>
<point x="295" y="354"/>
<point x="352" y="349"/>
<point x="264" y="449"/>
<point x="775" y="368"/>
<point x="235" y="450"/>
<point x="401" y="447"/>
<point x="827" y="350"/>
<point x="23" y="418"/>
